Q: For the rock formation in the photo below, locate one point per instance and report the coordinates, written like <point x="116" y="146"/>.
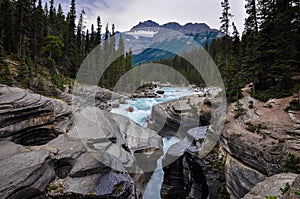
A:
<point x="257" y="140"/>
<point x="280" y="185"/>
<point x="47" y="151"/>
<point x="183" y="114"/>
<point x="31" y="119"/>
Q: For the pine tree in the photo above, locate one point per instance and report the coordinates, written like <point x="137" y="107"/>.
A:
<point x="120" y="55"/>
<point x="6" y="26"/>
<point x="71" y="41"/>
<point x="225" y="21"/>
<point x="51" y="18"/>
<point x="92" y="39"/>
<point x="87" y="48"/>
<point x="5" y="75"/>
<point x="98" y="35"/>
<point x="251" y="24"/>
<point x="23" y="23"/>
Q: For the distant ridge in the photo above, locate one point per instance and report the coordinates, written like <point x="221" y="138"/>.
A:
<point x="187" y="28"/>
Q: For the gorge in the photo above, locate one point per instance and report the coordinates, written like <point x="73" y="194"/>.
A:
<point x="51" y="150"/>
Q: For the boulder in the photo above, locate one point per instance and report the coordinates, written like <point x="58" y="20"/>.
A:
<point x="118" y="136"/>
<point x="180" y="115"/>
<point x="160" y="92"/>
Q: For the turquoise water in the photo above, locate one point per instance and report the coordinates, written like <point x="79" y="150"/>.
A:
<point x="142" y="106"/>
<point x="142" y="110"/>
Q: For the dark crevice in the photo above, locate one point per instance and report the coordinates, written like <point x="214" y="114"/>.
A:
<point x="36" y="137"/>
<point x="63" y="167"/>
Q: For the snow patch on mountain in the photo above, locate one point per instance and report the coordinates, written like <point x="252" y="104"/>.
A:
<point x="142" y="33"/>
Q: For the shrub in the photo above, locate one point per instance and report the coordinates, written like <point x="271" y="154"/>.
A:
<point x="201" y="140"/>
<point x="285" y="189"/>
<point x="239" y="110"/>
<point x="291" y="163"/>
<point x="271" y="197"/>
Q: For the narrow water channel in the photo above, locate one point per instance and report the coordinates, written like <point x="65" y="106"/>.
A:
<point x="142" y="109"/>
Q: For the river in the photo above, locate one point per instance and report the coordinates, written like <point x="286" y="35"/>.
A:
<point x="142" y="110"/>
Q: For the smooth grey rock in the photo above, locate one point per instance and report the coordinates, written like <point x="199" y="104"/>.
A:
<point x="115" y="184"/>
<point x="26" y="174"/>
<point x="8" y="149"/>
<point x="180" y="115"/>
<point x="240" y="179"/>
<point x="68" y="147"/>
<point x="272" y="186"/>
<point x="113" y="134"/>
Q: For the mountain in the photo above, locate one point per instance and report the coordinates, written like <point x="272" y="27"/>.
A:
<point x="150" y="41"/>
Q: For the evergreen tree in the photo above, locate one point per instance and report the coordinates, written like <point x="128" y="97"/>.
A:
<point x="92" y="39"/>
<point x="5" y="75"/>
<point x="87" y="43"/>
<point x="121" y="58"/>
<point x="98" y="35"/>
<point x="6" y="26"/>
<point x="71" y="41"/>
<point x="225" y="21"/>
<point x="251" y="24"/>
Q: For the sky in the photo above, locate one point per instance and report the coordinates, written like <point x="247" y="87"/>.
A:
<point x="127" y="13"/>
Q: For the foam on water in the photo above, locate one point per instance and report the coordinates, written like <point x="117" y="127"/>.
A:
<point x="142" y="110"/>
<point x="142" y="106"/>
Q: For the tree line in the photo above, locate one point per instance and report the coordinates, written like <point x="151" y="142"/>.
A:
<point x="267" y="54"/>
<point x="42" y="35"/>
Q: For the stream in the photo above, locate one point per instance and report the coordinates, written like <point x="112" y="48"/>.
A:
<point x="142" y="110"/>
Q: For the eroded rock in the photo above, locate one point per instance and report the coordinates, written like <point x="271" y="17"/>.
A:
<point x="31" y="119"/>
<point x="275" y="186"/>
<point x="26" y="174"/>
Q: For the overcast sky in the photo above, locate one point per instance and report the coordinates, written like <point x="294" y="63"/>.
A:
<point x="127" y="13"/>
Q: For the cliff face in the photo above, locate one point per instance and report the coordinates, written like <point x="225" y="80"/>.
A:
<point x="48" y="150"/>
<point x="257" y="139"/>
<point x="193" y="167"/>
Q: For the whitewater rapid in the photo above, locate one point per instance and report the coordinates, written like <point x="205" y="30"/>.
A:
<point x="142" y="110"/>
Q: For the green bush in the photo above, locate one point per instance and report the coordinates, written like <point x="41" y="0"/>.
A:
<point x="285" y="189"/>
<point x="271" y="197"/>
<point x="291" y="163"/>
<point x="240" y="111"/>
<point x="5" y="75"/>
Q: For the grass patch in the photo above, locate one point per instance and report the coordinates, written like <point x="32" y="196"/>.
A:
<point x="201" y="140"/>
<point x="271" y="197"/>
<point x="118" y="188"/>
<point x="255" y="128"/>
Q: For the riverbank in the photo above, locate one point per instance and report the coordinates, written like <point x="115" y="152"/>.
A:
<point x="50" y="149"/>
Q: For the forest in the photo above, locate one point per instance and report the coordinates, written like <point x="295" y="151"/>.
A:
<point x="266" y="54"/>
<point x="41" y="37"/>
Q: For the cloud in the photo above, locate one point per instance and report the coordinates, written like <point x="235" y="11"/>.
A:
<point x="127" y="13"/>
